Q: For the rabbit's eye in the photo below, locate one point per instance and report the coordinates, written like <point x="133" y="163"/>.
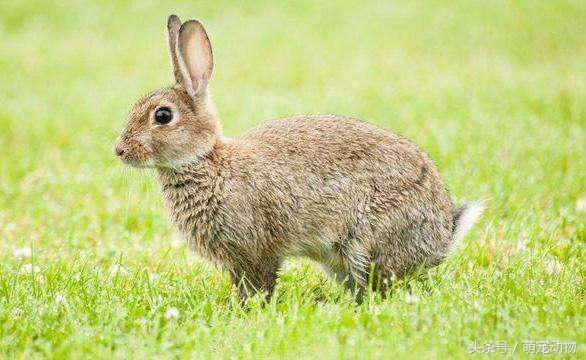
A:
<point x="163" y="115"/>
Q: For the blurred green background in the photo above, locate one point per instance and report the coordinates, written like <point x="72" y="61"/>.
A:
<point x="495" y="91"/>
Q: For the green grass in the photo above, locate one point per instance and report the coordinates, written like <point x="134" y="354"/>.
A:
<point x="495" y="91"/>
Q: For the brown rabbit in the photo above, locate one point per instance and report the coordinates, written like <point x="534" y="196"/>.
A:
<point x="363" y="202"/>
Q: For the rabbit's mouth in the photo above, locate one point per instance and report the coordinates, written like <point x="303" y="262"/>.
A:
<point x="135" y="162"/>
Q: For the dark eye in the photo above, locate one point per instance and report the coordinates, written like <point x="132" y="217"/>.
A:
<point x="163" y="115"/>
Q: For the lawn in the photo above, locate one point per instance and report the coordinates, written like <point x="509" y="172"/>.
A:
<point x="494" y="91"/>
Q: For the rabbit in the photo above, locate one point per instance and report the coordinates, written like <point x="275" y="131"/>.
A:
<point x="363" y="202"/>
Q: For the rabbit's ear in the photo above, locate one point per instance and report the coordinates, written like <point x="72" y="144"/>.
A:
<point x="194" y="53"/>
<point x="173" y="25"/>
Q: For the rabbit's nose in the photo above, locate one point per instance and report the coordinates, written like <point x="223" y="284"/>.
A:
<point x="119" y="150"/>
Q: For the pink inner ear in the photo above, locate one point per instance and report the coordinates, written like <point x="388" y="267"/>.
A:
<point x="196" y="54"/>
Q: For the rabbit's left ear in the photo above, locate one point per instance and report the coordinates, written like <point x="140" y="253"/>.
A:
<point x="194" y="54"/>
<point x="173" y="25"/>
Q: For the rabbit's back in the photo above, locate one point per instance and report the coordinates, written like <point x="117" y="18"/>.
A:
<point x="329" y="146"/>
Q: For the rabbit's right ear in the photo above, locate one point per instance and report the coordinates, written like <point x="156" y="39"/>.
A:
<point x="194" y="53"/>
<point x="173" y="26"/>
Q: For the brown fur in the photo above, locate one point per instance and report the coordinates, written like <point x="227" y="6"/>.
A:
<point x="337" y="190"/>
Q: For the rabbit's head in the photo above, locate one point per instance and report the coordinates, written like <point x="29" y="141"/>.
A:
<point x="175" y="126"/>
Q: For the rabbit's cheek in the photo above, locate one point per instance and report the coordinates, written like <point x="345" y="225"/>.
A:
<point x="145" y="142"/>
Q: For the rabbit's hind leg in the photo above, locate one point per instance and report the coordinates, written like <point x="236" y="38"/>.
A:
<point x="368" y="272"/>
<point x="340" y="274"/>
<point x="359" y="266"/>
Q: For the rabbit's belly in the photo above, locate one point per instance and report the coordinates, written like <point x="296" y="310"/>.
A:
<point x="317" y="248"/>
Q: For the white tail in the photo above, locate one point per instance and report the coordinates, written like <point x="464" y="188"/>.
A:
<point x="464" y="219"/>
